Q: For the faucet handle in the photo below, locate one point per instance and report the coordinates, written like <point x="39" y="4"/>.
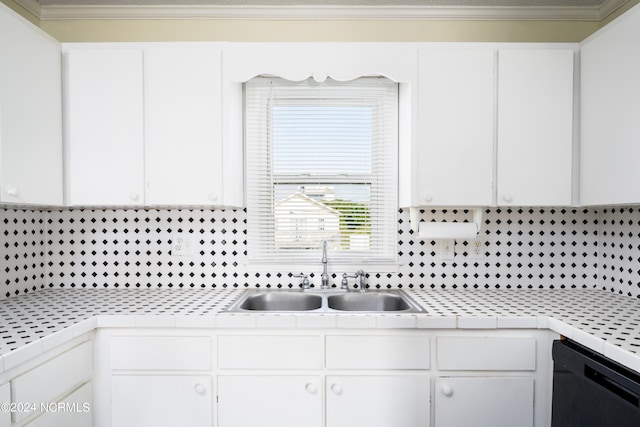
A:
<point x="345" y="283"/>
<point x="305" y="280"/>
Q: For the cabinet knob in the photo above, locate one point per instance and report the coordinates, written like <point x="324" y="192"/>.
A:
<point x="507" y="197"/>
<point x="199" y="388"/>
<point x="428" y="197"/>
<point x="13" y="192"/>
<point x="337" y="389"/>
<point x="311" y="388"/>
<point x="212" y="197"/>
<point x="447" y="390"/>
<point x="134" y="196"/>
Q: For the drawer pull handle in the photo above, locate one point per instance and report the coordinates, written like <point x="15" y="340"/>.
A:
<point x="311" y="388"/>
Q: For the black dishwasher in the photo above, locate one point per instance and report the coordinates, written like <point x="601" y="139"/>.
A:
<point x="590" y="390"/>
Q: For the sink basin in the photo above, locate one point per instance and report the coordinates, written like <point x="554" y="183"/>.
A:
<point x="368" y="301"/>
<point x="327" y="301"/>
<point x="280" y="301"/>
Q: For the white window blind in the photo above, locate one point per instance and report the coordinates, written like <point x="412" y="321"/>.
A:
<point x="321" y="161"/>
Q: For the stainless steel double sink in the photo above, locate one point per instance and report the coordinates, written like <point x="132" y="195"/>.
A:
<point x="311" y="301"/>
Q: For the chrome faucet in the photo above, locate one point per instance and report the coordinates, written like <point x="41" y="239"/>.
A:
<point x="325" y="275"/>
<point x="363" y="285"/>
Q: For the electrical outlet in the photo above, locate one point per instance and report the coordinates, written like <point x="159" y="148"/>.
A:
<point x="477" y="247"/>
<point x="447" y="249"/>
<point x="182" y="245"/>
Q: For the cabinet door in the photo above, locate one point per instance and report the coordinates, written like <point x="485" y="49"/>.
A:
<point x="483" y="402"/>
<point x="535" y="127"/>
<point x="105" y="127"/>
<point x="161" y="400"/>
<point x="30" y="113"/>
<point x="183" y="104"/>
<point x="456" y="127"/>
<point x="610" y="108"/>
<point x="378" y="401"/>
<point x="269" y="401"/>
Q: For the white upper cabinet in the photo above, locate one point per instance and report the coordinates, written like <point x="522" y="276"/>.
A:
<point x="610" y="113"/>
<point x="145" y="127"/>
<point x="161" y="124"/>
<point x="183" y="104"/>
<point x="30" y="113"/>
<point x="535" y="126"/>
<point x="105" y="130"/>
<point x="493" y="138"/>
<point x="456" y="104"/>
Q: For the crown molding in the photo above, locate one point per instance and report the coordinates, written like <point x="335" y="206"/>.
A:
<point x="314" y="13"/>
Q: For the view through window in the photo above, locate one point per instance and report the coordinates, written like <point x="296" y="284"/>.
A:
<point x="321" y="165"/>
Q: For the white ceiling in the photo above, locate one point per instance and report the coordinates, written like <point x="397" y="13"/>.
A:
<point x="593" y="10"/>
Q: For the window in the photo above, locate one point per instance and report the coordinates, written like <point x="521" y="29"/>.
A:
<point x="321" y="165"/>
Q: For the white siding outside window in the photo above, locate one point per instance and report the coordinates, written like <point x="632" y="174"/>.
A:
<point x="321" y="165"/>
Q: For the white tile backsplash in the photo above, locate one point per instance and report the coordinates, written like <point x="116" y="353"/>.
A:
<point x="536" y="248"/>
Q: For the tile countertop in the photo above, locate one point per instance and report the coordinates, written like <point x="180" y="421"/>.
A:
<point x="34" y="323"/>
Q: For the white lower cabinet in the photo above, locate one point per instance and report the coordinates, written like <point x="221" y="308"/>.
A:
<point x="484" y="402"/>
<point x="5" y="397"/>
<point x="378" y="400"/>
<point x="155" y="378"/>
<point x="161" y="400"/>
<point x="270" y="400"/>
<point x="324" y="378"/>
<point x="52" y="389"/>
<point x="50" y="383"/>
<point x="490" y="380"/>
<point x="296" y="400"/>
<point x="72" y="411"/>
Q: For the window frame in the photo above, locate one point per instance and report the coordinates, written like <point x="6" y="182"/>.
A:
<point x="387" y="147"/>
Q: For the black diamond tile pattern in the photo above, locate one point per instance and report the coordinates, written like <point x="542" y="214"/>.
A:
<point x="529" y="248"/>
<point x="602" y="315"/>
<point x="22" y="251"/>
<point x="619" y="250"/>
<point x="40" y="314"/>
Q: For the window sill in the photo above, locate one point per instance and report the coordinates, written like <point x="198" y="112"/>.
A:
<point x="333" y="267"/>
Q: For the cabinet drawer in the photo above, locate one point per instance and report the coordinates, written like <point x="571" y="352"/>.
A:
<point x="77" y="412"/>
<point x="377" y="352"/>
<point x="486" y="354"/>
<point x="161" y="353"/>
<point x="270" y="352"/>
<point x="50" y="381"/>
